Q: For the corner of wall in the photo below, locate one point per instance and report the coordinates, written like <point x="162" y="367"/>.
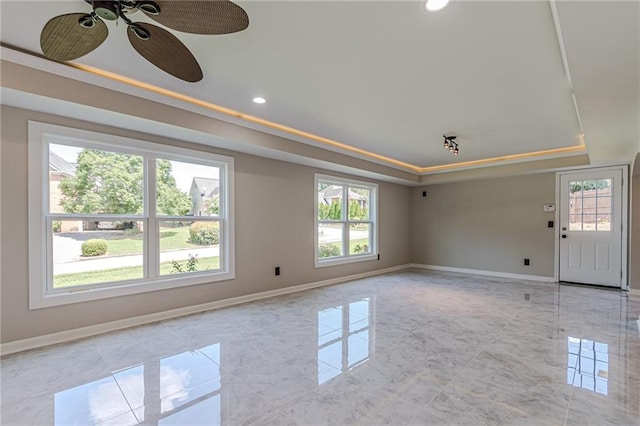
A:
<point x="634" y="234"/>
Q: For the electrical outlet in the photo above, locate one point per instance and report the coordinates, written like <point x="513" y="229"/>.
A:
<point x="527" y="262"/>
<point x="277" y="271"/>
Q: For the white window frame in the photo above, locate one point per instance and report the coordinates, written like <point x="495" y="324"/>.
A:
<point x="373" y="220"/>
<point x="41" y="293"/>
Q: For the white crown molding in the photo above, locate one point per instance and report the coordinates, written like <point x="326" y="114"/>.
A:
<point x="68" y="71"/>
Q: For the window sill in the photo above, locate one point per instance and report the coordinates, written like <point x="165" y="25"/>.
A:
<point x="345" y="260"/>
<point x="69" y="295"/>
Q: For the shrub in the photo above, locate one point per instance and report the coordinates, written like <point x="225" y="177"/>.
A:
<point x="329" y="250"/>
<point x="94" y="247"/>
<point x="361" y="248"/>
<point x="123" y="226"/>
<point x="204" y="233"/>
<point x="131" y="232"/>
<point x="190" y="266"/>
<point x="57" y="226"/>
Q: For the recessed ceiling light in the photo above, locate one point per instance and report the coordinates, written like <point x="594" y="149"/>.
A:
<point x="259" y="100"/>
<point x="435" y="5"/>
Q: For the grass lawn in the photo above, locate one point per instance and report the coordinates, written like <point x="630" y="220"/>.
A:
<point x="125" y="273"/>
<point x="170" y="239"/>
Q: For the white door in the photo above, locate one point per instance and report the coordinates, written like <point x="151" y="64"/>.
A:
<point x="591" y="227"/>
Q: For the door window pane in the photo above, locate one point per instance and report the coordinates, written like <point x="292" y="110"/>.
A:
<point x="589" y="222"/>
<point x="604" y="187"/>
<point x="575" y="222"/>
<point x="90" y="252"/>
<point x="604" y="204"/>
<point x="590" y="205"/>
<point x="604" y="222"/>
<point x="575" y="188"/>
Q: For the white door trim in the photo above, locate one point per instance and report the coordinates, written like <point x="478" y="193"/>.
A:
<point x="624" y="282"/>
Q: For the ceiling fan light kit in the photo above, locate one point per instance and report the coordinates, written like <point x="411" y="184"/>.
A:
<point x="70" y="36"/>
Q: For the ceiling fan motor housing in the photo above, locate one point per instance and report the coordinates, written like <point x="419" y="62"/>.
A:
<point x="109" y="10"/>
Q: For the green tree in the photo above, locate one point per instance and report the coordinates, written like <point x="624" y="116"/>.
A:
<point x="171" y="201"/>
<point x="356" y="211"/>
<point x="323" y="211"/>
<point x="589" y="185"/>
<point x="105" y="182"/>
<point x="335" y="210"/>
<point x="111" y="183"/>
<point x="212" y="205"/>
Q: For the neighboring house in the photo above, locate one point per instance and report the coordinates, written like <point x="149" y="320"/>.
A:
<point x="202" y="189"/>
<point x="331" y="193"/>
<point x="59" y="168"/>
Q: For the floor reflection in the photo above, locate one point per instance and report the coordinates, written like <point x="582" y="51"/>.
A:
<point x="173" y="390"/>
<point x="344" y="338"/>
<point x="588" y="365"/>
<point x="406" y="348"/>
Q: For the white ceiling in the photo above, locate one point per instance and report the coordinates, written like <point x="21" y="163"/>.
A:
<point x="390" y="78"/>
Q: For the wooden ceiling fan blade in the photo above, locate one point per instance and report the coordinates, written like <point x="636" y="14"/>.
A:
<point x="63" y="38"/>
<point x="165" y="51"/>
<point x="201" y="16"/>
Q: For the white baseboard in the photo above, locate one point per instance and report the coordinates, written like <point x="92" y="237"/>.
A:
<point x="92" y="330"/>
<point x="485" y="273"/>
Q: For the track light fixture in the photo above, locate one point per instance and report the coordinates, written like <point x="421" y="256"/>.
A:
<point x="450" y="144"/>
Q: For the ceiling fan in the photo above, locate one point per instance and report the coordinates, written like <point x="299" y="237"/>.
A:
<point x="70" y="36"/>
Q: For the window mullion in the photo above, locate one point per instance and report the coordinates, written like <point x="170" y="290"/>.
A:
<point x="345" y="220"/>
<point x="151" y="243"/>
<point x="49" y="259"/>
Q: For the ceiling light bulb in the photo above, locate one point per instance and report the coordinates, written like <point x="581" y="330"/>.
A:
<point x="455" y="151"/>
<point x="259" y="100"/>
<point x="446" y="143"/>
<point x="435" y="5"/>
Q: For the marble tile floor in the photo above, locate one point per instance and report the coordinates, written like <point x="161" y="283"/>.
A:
<point x="409" y="348"/>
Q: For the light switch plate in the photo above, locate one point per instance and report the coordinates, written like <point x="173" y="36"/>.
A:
<point x="549" y="207"/>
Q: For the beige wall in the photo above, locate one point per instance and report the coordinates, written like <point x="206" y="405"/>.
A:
<point x="634" y="240"/>
<point x="487" y="225"/>
<point x="490" y="224"/>
<point x="274" y="227"/>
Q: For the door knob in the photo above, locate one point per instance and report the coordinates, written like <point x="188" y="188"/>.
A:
<point x="564" y="236"/>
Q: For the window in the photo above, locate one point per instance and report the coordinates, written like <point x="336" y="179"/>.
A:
<point x="590" y="205"/>
<point x="110" y="216"/>
<point x="346" y="228"/>
<point x="345" y="338"/>
<point x="588" y="365"/>
<point x="176" y="390"/>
